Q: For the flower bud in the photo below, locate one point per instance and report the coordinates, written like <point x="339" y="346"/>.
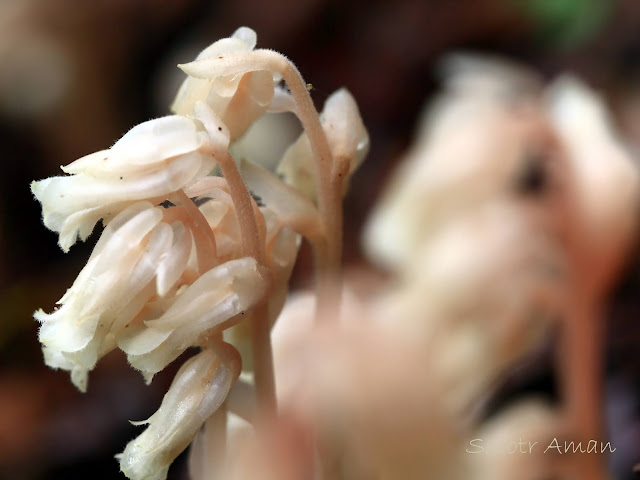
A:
<point x="199" y="388"/>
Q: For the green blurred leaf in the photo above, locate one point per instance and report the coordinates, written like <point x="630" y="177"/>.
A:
<point x="565" y="23"/>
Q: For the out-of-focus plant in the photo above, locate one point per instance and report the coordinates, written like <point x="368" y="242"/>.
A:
<point x="509" y="219"/>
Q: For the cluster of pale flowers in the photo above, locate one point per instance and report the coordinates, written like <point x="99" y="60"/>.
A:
<point x="187" y="250"/>
<point x="494" y="233"/>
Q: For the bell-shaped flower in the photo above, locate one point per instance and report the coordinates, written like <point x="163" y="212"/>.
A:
<point x="216" y="300"/>
<point x="114" y="286"/>
<point x="152" y="160"/>
<point x="237" y="99"/>
<point x="348" y="140"/>
<point x="199" y="388"/>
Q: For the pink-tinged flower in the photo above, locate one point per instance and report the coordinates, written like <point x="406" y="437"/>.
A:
<point x="199" y="388"/>
<point x="237" y="99"/>
<point x="152" y="160"/>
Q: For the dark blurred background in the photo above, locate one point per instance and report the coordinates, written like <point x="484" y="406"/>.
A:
<point x="76" y="75"/>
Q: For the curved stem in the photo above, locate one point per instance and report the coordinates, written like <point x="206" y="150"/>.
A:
<point x="260" y="332"/>
<point x="244" y="209"/>
<point x="263" y="361"/>
<point x="328" y="190"/>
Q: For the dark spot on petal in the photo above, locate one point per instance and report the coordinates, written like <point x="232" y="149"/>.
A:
<point x="120" y="178"/>
<point x="198" y="201"/>
<point x="166" y="204"/>
<point x="219" y="129"/>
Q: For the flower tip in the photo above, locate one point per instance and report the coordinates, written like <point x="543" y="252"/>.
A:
<point x="38" y="187"/>
<point x="247" y="35"/>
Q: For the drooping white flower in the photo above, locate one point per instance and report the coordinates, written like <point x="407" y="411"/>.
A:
<point x="152" y="160"/>
<point x="135" y="248"/>
<point x="199" y="388"/>
<point x="348" y="140"/>
<point x="237" y="99"/>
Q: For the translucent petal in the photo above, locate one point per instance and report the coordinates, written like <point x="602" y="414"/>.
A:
<point x="282" y="101"/>
<point x="347" y="135"/>
<point x="144" y="146"/>
<point x="247" y="35"/>
<point x="220" y="295"/>
<point x="91" y="198"/>
<point x="292" y="208"/>
<point x="174" y="262"/>
<point x="57" y="360"/>
<point x="204" y="300"/>
<point x="206" y="185"/>
<point x="64" y="332"/>
<point x="140" y="340"/>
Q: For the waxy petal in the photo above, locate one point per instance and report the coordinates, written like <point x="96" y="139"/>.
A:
<point x="144" y="146"/>
<point x="218" y="296"/>
<point x="175" y="261"/>
<point x="292" y="208"/>
<point x="64" y="198"/>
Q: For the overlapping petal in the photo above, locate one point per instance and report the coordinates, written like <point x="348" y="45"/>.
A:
<point x="214" y="299"/>
<point x="238" y="99"/>
<point x="114" y="286"/>
<point x="152" y="160"/>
